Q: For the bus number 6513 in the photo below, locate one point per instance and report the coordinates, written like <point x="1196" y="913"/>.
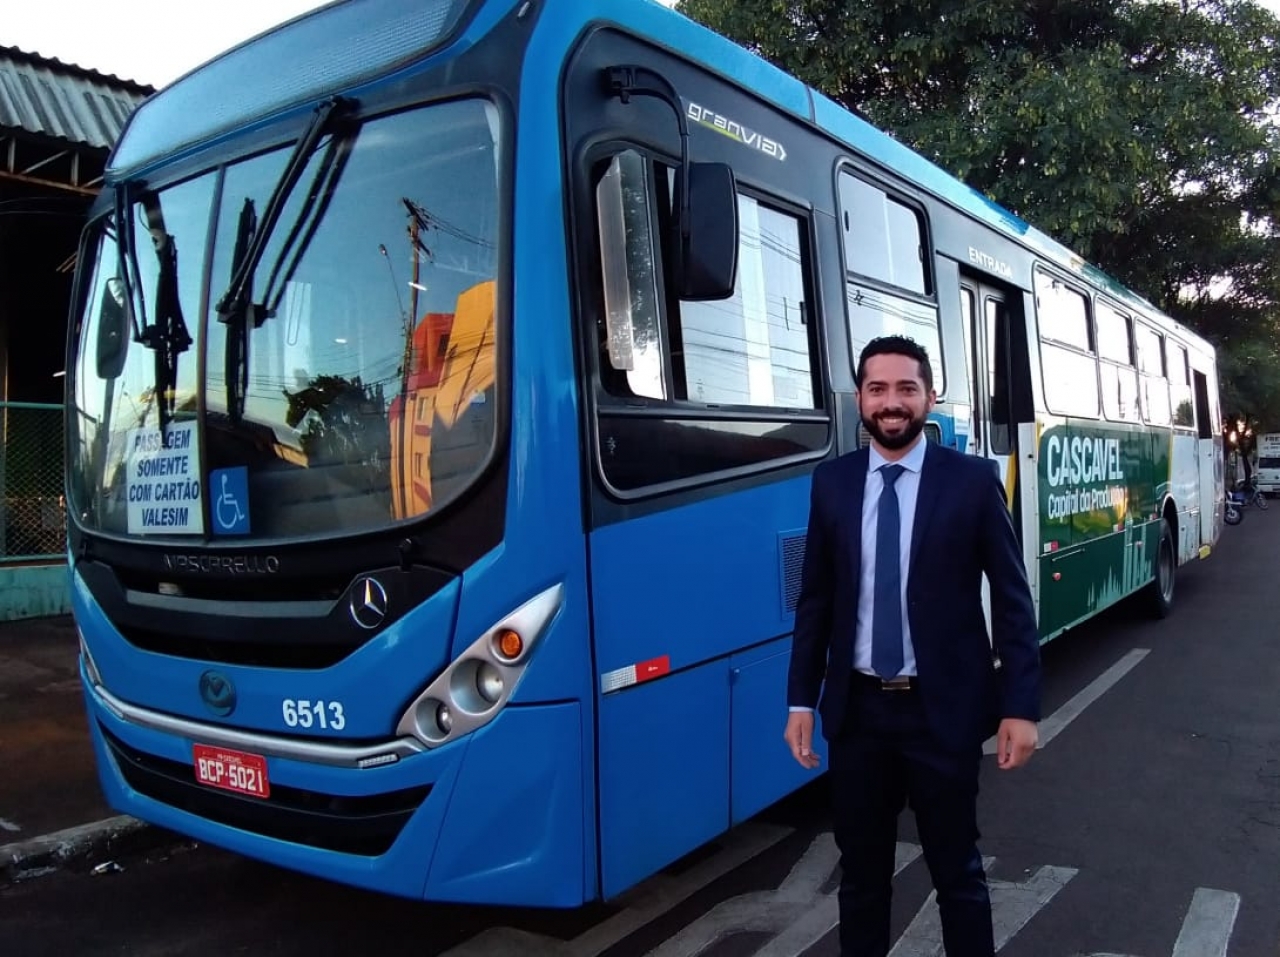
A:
<point x="329" y="715"/>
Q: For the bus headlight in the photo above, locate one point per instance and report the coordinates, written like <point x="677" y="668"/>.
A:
<point x="489" y="682"/>
<point x="433" y="720"/>
<point x="444" y="719"/>
<point x="478" y="684"/>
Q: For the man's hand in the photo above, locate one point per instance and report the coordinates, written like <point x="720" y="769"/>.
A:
<point x="799" y="736"/>
<point x="1015" y="742"/>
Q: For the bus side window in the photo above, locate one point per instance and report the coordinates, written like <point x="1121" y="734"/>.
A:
<point x="998" y="375"/>
<point x="1155" y="387"/>
<point x="1179" y="385"/>
<point x="1204" y="406"/>
<point x="883" y="237"/>
<point x="754" y="348"/>
<point x="889" y="288"/>
<point x="1119" y="377"/>
<point x="669" y="369"/>
<point x="1071" y="367"/>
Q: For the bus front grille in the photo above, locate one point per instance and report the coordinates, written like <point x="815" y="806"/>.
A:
<point x="365" y="826"/>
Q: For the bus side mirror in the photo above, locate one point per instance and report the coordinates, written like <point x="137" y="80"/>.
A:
<point x="706" y="232"/>
<point x="114" y="328"/>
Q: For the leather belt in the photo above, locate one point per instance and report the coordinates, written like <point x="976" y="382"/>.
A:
<point x="875" y="682"/>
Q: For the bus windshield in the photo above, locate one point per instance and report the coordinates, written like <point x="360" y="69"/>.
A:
<point x="354" y="385"/>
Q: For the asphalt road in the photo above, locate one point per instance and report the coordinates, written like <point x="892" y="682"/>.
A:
<point x="1148" y="825"/>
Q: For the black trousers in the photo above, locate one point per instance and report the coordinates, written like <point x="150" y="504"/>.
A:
<point x="886" y="759"/>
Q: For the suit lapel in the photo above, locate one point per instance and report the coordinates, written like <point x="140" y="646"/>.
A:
<point x="856" y="476"/>
<point x="931" y="482"/>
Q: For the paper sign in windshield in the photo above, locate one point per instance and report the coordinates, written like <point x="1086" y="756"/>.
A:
<point x="164" y="481"/>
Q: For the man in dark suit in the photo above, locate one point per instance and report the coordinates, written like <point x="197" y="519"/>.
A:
<point x="890" y="629"/>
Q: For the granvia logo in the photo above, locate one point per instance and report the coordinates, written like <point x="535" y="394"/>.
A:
<point x="736" y="131"/>
<point x="222" y="564"/>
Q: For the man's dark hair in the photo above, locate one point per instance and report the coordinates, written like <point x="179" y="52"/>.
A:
<point x="897" y="346"/>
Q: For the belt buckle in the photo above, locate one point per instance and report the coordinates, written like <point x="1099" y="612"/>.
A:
<point x="900" y="683"/>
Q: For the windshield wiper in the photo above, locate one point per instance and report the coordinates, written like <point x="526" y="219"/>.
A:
<point x="236" y="308"/>
<point x="168" y="336"/>
<point x="127" y="260"/>
<point x="235" y="360"/>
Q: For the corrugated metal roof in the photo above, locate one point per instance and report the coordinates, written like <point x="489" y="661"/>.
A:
<point x="63" y="101"/>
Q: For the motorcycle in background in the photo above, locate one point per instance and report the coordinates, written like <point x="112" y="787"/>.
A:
<point x="1233" y="513"/>
<point x="1250" y="494"/>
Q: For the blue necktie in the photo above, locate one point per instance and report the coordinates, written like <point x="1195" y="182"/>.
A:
<point x="886" y="609"/>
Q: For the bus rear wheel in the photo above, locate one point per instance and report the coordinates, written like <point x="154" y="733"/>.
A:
<point x="1160" y="591"/>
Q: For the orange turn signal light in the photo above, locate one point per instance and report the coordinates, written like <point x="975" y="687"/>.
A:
<point x="509" y="644"/>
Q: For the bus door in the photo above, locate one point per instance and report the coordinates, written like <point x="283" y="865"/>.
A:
<point x="1210" y="464"/>
<point x="988" y="332"/>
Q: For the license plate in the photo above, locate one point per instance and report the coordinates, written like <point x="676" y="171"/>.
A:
<point x="230" y="770"/>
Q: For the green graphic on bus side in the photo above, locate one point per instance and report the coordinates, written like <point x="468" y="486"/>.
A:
<point x="1100" y="489"/>
<point x="1094" y="481"/>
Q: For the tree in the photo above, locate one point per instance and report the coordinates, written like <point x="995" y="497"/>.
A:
<point x="1137" y="132"/>
<point x="343" y="422"/>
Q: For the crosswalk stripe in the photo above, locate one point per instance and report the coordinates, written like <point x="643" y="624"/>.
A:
<point x="649" y="900"/>
<point x="803" y="910"/>
<point x="1206" y="931"/>
<point x="1012" y="907"/>
<point x="822" y="915"/>
<point x="1057" y="722"/>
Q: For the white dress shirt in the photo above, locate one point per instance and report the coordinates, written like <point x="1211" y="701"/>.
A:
<point x="908" y="488"/>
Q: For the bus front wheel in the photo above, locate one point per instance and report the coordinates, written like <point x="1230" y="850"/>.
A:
<point x="1160" y="591"/>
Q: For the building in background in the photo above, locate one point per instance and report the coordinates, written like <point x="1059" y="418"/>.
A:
<point x="57" y="125"/>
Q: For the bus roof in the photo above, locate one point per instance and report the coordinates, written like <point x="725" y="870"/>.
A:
<point x="338" y="46"/>
<point x="311" y="54"/>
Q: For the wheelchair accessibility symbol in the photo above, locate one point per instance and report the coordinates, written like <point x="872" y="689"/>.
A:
<point x="229" y="500"/>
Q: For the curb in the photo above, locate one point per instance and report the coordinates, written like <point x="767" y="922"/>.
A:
<point x="38" y="856"/>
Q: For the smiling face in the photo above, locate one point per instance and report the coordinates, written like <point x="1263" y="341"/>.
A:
<point x="893" y="401"/>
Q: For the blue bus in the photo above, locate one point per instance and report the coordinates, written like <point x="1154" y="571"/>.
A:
<point x="445" y="379"/>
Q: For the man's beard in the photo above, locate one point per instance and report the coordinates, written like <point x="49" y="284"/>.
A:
<point x="900" y="440"/>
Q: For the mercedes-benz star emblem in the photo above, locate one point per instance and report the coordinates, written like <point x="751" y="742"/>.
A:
<point x="218" y="693"/>
<point x="368" y="603"/>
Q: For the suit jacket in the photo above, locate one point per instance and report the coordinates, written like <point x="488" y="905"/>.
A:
<point x="961" y="529"/>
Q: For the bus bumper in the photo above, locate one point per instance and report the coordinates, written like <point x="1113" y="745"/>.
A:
<point x="494" y="818"/>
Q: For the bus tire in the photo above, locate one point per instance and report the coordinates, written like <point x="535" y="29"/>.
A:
<point x="1161" y="590"/>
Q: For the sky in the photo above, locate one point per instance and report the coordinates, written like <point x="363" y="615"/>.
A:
<point x="153" y="41"/>
<point x="150" y="41"/>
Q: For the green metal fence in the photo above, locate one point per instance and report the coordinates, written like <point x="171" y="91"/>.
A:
<point x="33" y="519"/>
